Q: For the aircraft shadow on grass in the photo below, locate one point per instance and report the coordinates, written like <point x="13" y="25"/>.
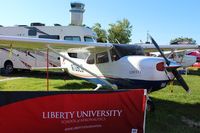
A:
<point x="58" y="75"/>
<point x="191" y="72"/>
<point x="171" y="117"/>
<point x="76" y="86"/>
<point x="194" y="72"/>
<point x="39" y="74"/>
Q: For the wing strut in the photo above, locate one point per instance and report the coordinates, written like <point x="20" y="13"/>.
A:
<point x="47" y="71"/>
<point x="113" y="86"/>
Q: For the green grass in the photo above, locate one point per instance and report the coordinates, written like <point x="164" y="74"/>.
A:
<point x="36" y="81"/>
<point x="170" y="110"/>
<point x="32" y="84"/>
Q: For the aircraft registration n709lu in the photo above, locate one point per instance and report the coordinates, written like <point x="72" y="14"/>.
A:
<point x="104" y="64"/>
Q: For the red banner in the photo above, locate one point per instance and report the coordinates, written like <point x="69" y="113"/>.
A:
<point x="60" y="112"/>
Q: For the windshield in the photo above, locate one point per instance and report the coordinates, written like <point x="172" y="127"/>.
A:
<point x="126" y="50"/>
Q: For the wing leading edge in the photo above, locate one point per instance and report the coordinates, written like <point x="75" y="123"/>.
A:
<point x="180" y="46"/>
<point x="39" y="43"/>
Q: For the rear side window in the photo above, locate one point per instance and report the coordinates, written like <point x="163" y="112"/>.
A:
<point x="72" y="38"/>
<point x="90" y="59"/>
<point x="73" y="55"/>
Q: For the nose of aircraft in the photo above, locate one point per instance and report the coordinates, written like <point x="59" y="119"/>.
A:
<point x="174" y="71"/>
<point x="172" y="66"/>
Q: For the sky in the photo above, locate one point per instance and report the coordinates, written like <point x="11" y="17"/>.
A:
<point x="162" y="19"/>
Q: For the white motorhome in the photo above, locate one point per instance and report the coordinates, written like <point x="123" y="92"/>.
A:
<point x="19" y="59"/>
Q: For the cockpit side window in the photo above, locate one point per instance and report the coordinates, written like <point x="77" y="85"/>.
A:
<point x="102" y="57"/>
<point x="114" y="55"/>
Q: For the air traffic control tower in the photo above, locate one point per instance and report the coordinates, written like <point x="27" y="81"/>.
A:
<point x="77" y="10"/>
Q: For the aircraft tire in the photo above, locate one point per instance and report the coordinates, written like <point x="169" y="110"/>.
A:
<point x="8" y="67"/>
<point x="150" y="106"/>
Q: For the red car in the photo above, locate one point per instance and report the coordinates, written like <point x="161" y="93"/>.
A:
<point x="195" y="53"/>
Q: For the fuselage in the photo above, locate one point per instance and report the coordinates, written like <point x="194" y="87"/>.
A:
<point x="128" y="69"/>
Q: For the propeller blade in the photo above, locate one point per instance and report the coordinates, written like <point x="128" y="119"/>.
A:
<point x="158" y="48"/>
<point x="181" y="80"/>
<point x="174" y="71"/>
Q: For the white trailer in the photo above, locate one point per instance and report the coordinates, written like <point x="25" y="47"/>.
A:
<point x="18" y="59"/>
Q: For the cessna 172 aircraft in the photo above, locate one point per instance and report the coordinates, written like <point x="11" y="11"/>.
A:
<point x="111" y="65"/>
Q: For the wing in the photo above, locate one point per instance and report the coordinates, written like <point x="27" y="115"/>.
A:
<point x="38" y="43"/>
<point x="168" y="53"/>
<point x="180" y="46"/>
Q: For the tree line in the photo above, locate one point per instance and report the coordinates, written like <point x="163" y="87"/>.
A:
<point x="121" y="32"/>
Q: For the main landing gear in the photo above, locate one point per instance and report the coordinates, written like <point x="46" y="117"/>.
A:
<point x="8" y="67"/>
<point x="150" y="105"/>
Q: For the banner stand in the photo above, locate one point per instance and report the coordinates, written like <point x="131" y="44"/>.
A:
<point x="73" y="112"/>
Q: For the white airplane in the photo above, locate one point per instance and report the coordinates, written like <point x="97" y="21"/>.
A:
<point x="110" y="65"/>
<point x="180" y="56"/>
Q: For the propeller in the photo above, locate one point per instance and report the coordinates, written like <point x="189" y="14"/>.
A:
<point x="174" y="71"/>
